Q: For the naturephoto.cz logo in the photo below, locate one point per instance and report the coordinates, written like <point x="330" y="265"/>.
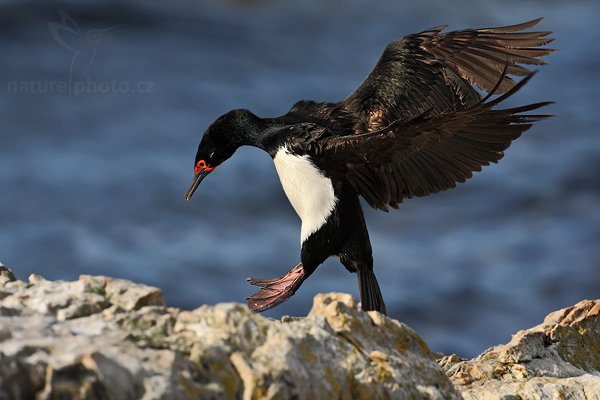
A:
<point x="82" y="47"/>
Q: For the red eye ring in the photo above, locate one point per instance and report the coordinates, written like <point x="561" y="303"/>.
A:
<point x="200" y="166"/>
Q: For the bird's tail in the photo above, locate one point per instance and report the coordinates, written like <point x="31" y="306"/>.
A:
<point x="370" y="294"/>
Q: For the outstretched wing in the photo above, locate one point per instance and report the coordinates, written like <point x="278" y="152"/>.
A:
<point x="434" y="71"/>
<point x="426" y="154"/>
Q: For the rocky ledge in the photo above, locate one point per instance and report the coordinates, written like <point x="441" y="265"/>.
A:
<point x="105" y="338"/>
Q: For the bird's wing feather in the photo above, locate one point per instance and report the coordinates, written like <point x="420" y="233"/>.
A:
<point x="426" y="154"/>
<point x="434" y="71"/>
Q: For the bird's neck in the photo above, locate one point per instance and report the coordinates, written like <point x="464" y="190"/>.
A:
<point x="264" y="133"/>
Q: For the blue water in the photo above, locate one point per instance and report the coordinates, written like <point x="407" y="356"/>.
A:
<point x="97" y="151"/>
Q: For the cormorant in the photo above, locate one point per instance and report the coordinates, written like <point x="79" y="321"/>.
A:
<point x="414" y="127"/>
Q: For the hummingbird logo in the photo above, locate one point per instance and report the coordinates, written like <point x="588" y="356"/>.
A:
<point x="82" y="45"/>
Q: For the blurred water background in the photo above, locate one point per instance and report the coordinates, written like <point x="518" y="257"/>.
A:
<point x="102" y="104"/>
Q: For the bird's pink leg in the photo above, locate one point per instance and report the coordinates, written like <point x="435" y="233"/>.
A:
<point x="275" y="291"/>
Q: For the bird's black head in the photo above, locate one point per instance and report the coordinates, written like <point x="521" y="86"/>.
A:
<point x="222" y="138"/>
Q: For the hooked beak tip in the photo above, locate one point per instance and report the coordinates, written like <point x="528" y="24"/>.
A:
<point x="195" y="183"/>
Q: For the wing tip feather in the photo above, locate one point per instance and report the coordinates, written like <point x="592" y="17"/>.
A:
<point x="516" y="27"/>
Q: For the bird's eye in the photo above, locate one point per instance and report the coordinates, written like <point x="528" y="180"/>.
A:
<point x="202" y="166"/>
<point x="199" y="166"/>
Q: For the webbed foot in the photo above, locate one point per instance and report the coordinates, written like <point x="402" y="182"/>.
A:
<point x="275" y="291"/>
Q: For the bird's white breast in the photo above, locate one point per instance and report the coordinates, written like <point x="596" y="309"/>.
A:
<point x="308" y="190"/>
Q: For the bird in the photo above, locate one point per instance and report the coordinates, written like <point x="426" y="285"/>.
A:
<point x="428" y="116"/>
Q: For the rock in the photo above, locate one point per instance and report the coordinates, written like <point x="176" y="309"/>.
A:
<point x="129" y="295"/>
<point x="339" y="351"/>
<point x="559" y="358"/>
<point x="99" y="338"/>
<point x="6" y="275"/>
<point x="103" y="338"/>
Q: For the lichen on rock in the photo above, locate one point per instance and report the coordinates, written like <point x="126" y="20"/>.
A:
<point x="100" y="337"/>
<point x="560" y="358"/>
<point x="103" y="338"/>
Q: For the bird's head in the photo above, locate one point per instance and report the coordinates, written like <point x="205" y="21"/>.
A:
<point x="220" y="140"/>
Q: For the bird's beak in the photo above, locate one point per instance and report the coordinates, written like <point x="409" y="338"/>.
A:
<point x="196" y="182"/>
